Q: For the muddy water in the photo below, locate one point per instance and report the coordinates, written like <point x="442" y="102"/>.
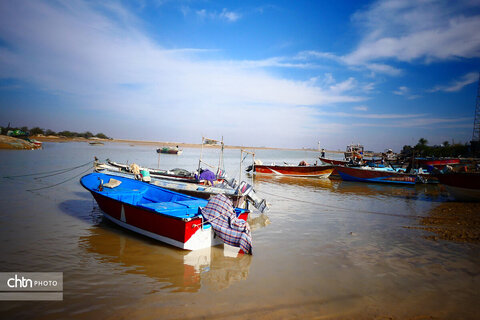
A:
<point x="326" y="249"/>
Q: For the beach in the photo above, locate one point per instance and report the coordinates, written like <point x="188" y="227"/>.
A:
<point x="326" y="249"/>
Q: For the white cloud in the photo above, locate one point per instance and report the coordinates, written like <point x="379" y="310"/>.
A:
<point x="360" y="108"/>
<point x="411" y="30"/>
<point x="401" y="91"/>
<point x="458" y="84"/>
<point x="106" y="63"/>
<point x="229" y="16"/>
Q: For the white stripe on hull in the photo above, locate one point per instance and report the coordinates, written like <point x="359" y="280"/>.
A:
<point x="203" y="238"/>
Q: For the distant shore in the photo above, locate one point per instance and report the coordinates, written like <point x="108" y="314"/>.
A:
<point x="164" y="143"/>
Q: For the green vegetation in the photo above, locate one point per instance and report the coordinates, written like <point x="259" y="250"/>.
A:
<point x="421" y="149"/>
<point x="47" y="132"/>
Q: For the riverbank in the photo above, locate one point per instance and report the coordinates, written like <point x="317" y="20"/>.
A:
<point x="12" y="143"/>
<point x="159" y="144"/>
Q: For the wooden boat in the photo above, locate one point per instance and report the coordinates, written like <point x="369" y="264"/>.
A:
<point x="463" y="186"/>
<point x="169" y="150"/>
<point x="438" y="163"/>
<point x="313" y="171"/>
<point x="174" y="174"/>
<point x="152" y="211"/>
<point x="333" y="162"/>
<point x="240" y="194"/>
<point x="370" y="174"/>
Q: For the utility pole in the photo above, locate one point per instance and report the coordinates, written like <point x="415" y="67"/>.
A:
<point x="475" y="143"/>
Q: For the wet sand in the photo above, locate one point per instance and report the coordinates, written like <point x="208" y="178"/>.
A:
<point x="453" y="221"/>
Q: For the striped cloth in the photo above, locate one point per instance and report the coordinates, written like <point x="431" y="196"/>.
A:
<point x="232" y="230"/>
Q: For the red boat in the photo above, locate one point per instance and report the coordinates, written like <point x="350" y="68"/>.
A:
<point x="463" y="186"/>
<point x="333" y="162"/>
<point x="437" y="162"/>
<point x="158" y="213"/>
<point x="370" y="174"/>
<point x="295" y="171"/>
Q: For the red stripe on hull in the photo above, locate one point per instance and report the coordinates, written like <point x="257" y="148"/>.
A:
<point x="294" y="170"/>
<point x="147" y="220"/>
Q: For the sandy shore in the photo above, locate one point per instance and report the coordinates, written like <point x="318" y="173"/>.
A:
<point x="12" y="143"/>
<point x="159" y="144"/>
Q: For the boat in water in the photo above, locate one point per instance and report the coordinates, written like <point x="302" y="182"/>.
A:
<point x="301" y="170"/>
<point x="240" y="193"/>
<point x="463" y="186"/>
<point x="176" y="174"/>
<point x="372" y="174"/>
<point x="438" y="163"/>
<point x="170" y="217"/>
<point x="170" y="150"/>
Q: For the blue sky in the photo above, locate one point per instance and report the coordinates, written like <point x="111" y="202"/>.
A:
<point x="279" y="74"/>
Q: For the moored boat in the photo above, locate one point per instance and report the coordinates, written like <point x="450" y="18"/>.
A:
<point x="463" y="186"/>
<point x="155" y="212"/>
<point x="170" y="150"/>
<point x="371" y="174"/>
<point x="240" y="194"/>
<point x="313" y="171"/>
<point x="438" y="163"/>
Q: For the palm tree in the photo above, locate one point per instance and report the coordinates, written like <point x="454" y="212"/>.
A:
<point x="422" y="142"/>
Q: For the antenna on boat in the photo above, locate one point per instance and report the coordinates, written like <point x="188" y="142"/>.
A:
<point x="241" y="161"/>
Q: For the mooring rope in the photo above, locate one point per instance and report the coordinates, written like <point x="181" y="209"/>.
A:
<point x="340" y="208"/>
<point x="54" y="185"/>
<point x="46" y="172"/>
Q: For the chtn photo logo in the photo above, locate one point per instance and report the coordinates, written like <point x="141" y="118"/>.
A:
<point x="24" y="286"/>
<point x="17" y="282"/>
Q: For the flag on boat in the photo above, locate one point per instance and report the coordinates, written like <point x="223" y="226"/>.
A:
<point x="220" y="214"/>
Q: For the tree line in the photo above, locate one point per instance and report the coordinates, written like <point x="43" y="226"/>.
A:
<point x="422" y="149"/>
<point x="35" y="131"/>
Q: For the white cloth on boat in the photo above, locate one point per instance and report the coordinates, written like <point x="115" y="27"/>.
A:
<point x="112" y="183"/>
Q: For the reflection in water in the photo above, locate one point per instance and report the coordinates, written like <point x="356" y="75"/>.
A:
<point x="296" y="181"/>
<point x="178" y="270"/>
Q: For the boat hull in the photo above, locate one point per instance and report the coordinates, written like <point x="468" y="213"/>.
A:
<point x="333" y="162"/>
<point x="462" y="186"/>
<point x="295" y="171"/>
<point x="371" y="175"/>
<point x="184" y="232"/>
<point x="438" y="163"/>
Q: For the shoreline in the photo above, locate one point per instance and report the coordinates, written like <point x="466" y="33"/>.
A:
<point x="160" y="144"/>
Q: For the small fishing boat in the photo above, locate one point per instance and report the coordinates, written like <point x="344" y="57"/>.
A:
<point x="438" y="163"/>
<point x="463" y="186"/>
<point x="371" y="174"/>
<point x="170" y="150"/>
<point x="238" y="193"/>
<point x="333" y="161"/>
<point x="158" y="213"/>
<point x="304" y="170"/>
<point x="176" y="174"/>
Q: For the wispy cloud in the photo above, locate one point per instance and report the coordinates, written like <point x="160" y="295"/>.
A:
<point x="458" y="84"/>
<point x="100" y="57"/>
<point x="406" y="92"/>
<point x="225" y="14"/>
<point x="360" y="108"/>
<point x="409" y="30"/>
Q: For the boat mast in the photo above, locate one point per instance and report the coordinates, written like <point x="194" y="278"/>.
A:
<point x="476" y="123"/>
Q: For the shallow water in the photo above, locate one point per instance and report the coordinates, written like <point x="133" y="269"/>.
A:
<point x="326" y="249"/>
